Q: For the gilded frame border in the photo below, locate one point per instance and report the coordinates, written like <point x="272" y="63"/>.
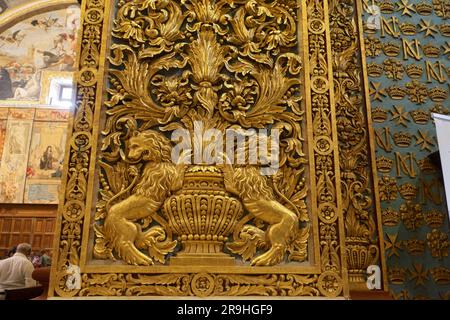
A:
<point x="329" y="280"/>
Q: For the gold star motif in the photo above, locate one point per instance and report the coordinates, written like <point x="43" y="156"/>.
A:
<point x="405" y="294"/>
<point x="428" y="28"/>
<point x="423" y="140"/>
<point x="406" y="7"/>
<point x="395" y="296"/>
<point x="419" y="274"/>
<point x="402" y="294"/>
<point x="399" y="116"/>
<point x="366" y="6"/>
<point x="392" y="245"/>
<point x="370" y="7"/>
<point x="446" y="48"/>
<point x="445" y="295"/>
<point x="376" y="91"/>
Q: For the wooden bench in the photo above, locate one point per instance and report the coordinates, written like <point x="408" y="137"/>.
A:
<point x="23" y="293"/>
<point x="39" y="292"/>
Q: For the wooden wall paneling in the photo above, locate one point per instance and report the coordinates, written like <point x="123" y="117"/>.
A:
<point x="26" y="223"/>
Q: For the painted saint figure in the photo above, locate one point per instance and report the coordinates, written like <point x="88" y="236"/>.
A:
<point x="5" y="84"/>
<point x="47" y="159"/>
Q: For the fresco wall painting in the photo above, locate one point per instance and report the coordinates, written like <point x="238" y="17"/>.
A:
<point x="32" y="143"/>
<point x="15" y="155"/>
<point x="24" y="61"/>
<point x="45" y="162"/>
<point x="6" y="5"/>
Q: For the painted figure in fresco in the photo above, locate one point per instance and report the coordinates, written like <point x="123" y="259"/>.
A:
<point x="47" y="159"/>
<point x="15" y="144"/>
<point x="46" y="24"/>
<point x="50" y="59"/>
<point x="73" y="18"/>
<point x="5" y="84"/>
<point x="13" y="38"/>
<point x="60" y="55"/>
<point x="58" y="171"/>
<point x="31" y="89"/>
<point x="3" y="6"/>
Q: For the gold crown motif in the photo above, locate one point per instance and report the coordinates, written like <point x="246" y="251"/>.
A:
<point x="445" y="29"/>
<point x="379" y="114"/>
<point x="390" y="217"/>
<point x="434" y="218"/>
<point x="396" y="92"/>
<point x="431" y="51"/>
<point x="408" y="29"/>
<point x="437" y="94"/>
<point x="420" y="116"/>
<point x="397" y="275"/>
<point x="391" y="49"/>
<point x="402" y="139"/>
<point x="414" y="71"/>
<point x="386" y="6"/>
<point x="384" y="164"/>
<point x="439" y="108"/>
<point x="374" y="70"/>
<point x="426" y="166"/>
<point x="415" y="247"/>
<point x="408" y="191"/>
<point x="441" y="275"/>
<point x="424" y="9"/>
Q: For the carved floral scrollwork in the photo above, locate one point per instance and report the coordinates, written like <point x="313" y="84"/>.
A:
<point x="357" y="196"/>
<point x="205" y="284"/>
<point x="229" y="64"/>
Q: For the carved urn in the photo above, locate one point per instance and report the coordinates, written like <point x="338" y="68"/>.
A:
<point x="202" y="215"/>
<point x="360" y="254"/>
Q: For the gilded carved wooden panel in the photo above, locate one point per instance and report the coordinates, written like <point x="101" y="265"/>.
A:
<point x="204" y="156"/>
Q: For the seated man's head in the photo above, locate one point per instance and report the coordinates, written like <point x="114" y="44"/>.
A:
<point x="24" y="248"/>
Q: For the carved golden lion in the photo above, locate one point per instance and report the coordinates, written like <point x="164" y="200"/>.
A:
<point x="160" y="177"/>
<point x="283" y="232"/>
